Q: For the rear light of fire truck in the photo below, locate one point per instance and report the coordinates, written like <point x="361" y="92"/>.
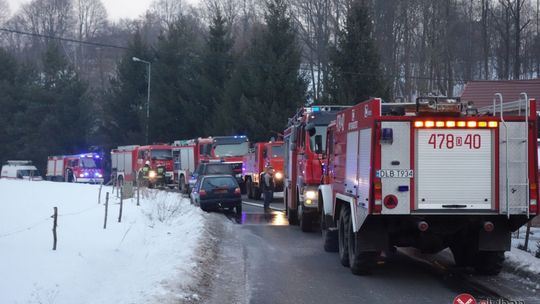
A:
<point x="454" y="123"/>
<point x="533" y="199"/>
<point x="377" y="204"/>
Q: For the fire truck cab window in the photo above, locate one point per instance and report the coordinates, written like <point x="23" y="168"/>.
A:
<point x="265" y="152"/>
<point x="88" y="163"/>
<point x="320" y="130"/>
<point x="74" y="163"/>
<point x="142" y="154"/>
<point x="162" y="154"/>
<point x="278" y="151"/>
<point x="239" y="149"/>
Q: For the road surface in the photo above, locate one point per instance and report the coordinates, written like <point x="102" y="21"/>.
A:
<point x="264" y="260"/>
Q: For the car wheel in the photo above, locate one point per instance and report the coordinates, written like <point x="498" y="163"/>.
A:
<point x="239" y="209"/>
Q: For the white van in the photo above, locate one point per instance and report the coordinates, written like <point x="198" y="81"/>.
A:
<point x="20" y="169"/>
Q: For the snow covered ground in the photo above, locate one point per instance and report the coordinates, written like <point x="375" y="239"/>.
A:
<point x="149" y="257"/>
<point x="522" y="260"/>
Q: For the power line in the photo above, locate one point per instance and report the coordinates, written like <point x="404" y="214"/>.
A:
<point x="64" y="39"/>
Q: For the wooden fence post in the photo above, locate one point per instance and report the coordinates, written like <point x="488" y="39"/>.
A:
<point x="106" y="210"/>
<point x="99" y="195"/>
<point x="121" y="205"/>
<point x="55" y="223"/>
<point x="138" y="194"/>
<point x="528" y="231"/>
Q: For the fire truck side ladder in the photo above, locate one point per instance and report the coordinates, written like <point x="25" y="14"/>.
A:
<point x="512" y="185"/>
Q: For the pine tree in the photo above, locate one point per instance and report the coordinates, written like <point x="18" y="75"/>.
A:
<point x="126" y="107"/>
<point x="355" y="62"/>
<point x="268" y="86"/>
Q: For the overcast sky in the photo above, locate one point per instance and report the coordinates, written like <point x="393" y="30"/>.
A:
<point x="116" y="8"/>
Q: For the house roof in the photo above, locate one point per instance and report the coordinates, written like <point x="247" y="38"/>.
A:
<point x="481" y="92"/>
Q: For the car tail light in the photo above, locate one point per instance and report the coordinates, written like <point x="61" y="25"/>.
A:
<point x="202" y="192"/>
<point x="237" y="190"/>
<point x="377" y="206"/>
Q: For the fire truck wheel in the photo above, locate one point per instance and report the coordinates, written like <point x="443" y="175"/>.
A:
<point x="249" y="188"/>
<point x="291" y="214"/>
<point x="329" y="236"/>
<point x="489" y="262"/>
<point x="361" y="262"/>
<point x="305" y="220"/>
<point x="344" y="227"/>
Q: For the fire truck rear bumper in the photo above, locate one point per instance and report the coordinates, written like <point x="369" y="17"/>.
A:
<point x="432" y="233"/>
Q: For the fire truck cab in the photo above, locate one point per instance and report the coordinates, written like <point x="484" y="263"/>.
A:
<point x="186" y="156"/>
<point x="305" y="142"/>
<point x="261" y="155"/>
<point x="430" y="174"/>
<point x="128" y="163"/>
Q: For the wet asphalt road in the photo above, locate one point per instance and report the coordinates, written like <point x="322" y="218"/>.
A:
<point x="263" y="260"/>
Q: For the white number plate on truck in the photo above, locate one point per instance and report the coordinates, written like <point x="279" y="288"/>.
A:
<point x="403" y="173"/>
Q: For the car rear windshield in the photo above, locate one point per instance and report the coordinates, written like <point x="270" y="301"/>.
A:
<point x="218" y="169"/>
<point x="219" y="182"/>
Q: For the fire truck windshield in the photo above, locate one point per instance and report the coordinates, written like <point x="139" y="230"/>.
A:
<point x="89" y="163"/>
<point x="277" y="151"/>
<point x="320" y="130"/>
<point x="224" y="150"/>
<point x="162" y="154"/>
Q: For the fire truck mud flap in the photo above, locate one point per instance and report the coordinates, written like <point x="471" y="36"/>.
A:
<point x="373" y="236"/>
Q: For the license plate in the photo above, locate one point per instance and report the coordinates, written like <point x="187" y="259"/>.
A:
<point x="397" y="173"/>
<point x="221" y="191"/>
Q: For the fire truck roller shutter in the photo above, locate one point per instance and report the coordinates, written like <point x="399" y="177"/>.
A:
<point x="454" y="169"/>
<point x="395" y="155"/>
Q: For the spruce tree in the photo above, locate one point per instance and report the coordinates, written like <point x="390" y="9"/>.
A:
<point x="356" y="71"/>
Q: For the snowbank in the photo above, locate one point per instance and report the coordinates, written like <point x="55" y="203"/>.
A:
<point x="148" y="257"/>
<point x="522" y="260"/>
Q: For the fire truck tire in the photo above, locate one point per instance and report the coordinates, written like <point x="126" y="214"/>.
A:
<point x="329" y="236"/>
<point x="489" y="262"/>
<point x="305" y="220"/>
<point x="344" y="227"/>
<point x="249" y="188"/>
<point x="360" y="262"/>
<point x="291" y="214"/>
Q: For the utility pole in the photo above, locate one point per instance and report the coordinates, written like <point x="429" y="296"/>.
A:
<point x="149" y="66"/>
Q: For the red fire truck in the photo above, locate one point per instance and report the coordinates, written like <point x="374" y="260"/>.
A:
<point x="303" y="162"/>
<point x="128" y="161"/>
<point x="227" y="149"/>
<point x="263" y="154"/>
<point x="430" y="174"/>
<point x="186" y="156"/>
<point x="79" y="168"/>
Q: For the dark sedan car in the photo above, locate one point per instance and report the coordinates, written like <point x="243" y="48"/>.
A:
<point x="212" y="192"/>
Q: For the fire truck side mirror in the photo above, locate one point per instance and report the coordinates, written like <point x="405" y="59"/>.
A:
<point x="311" y="129"/>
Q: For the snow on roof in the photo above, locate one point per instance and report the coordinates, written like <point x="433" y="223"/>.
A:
<point x="481" y="92"/>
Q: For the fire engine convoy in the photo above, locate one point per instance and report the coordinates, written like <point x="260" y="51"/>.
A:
<point x="188" y="154"/>
<point x="431" y="174"/>
<point x="263" y="154"/>
<point x="128" y="163"/>
<point x="79" y="168"/>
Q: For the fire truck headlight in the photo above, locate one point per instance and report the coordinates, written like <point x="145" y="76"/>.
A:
<point x="238" y="175"/>
<point x="152" y="174"/>
<point x="310" y="194"/>
<point x="86" y="174"/>
<point x="279" y="175"/>
<point x="98" y="174"/>
<point x="81" y="175"/>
